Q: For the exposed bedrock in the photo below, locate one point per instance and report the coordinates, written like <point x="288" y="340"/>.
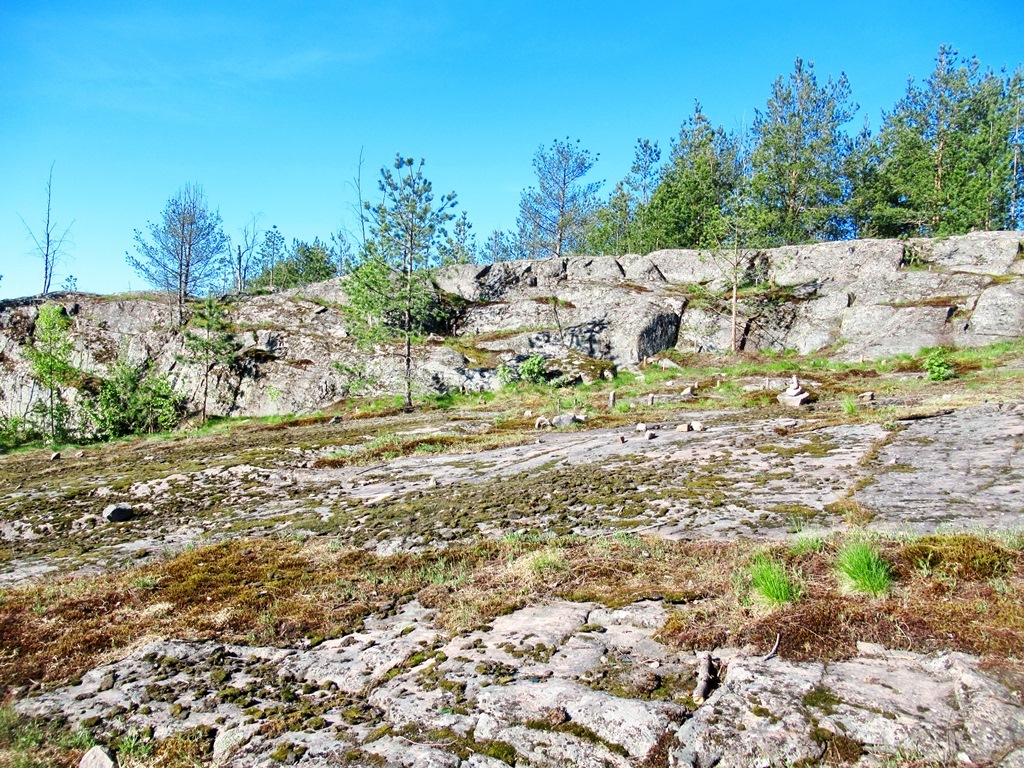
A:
<point x="870" y="298"/>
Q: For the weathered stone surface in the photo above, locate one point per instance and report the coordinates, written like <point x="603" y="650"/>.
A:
<point x="879" y="298"/>
<point x="529" y="690"/>
<point x="779" y="713"/>
<point x="563" y="420"/>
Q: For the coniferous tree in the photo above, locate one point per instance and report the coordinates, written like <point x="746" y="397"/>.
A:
<point x="621" y="225"/>
<point x="390" y="296"/>
<point x="946" y="159"/>
<point x="184" y="250"/>
<point x="553" y="215"/>
<point x="272" y="252"/>
<point x="689" y="206"/>
<point x="499" y="246"/>
<point x="459" y="246"/>
<point x="798" y="160"/>
<point x="211" y="344"/>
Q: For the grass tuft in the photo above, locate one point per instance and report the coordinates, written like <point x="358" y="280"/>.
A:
<point x="770" y="579"/>
<point x="863" y="569"/>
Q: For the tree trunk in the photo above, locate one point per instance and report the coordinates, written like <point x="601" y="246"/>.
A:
<point x="735" y="303"/>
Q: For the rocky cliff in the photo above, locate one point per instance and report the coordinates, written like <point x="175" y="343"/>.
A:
<point x="867" y="298"/>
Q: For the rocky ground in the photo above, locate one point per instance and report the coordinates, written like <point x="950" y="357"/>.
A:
<point x="611" y="676"/>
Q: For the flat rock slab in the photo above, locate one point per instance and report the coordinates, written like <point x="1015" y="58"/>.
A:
<point x="964" y="470"/>
<point x="549" y="685"/>
<point x="743" y="476"/>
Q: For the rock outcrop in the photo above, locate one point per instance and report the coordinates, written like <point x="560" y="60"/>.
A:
<point x="548" y="685"/>
<point x="870" y="298"/>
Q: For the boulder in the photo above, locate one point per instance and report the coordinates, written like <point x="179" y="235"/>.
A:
<point x="563" y="420"/>
<point x="98" y="757"/>
<point x="118" y="513"/>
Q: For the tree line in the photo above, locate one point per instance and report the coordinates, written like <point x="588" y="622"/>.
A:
<point x="945" y="160"/>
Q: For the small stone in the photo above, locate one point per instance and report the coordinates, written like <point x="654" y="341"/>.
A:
<point x="118" y="513"/>
<point x="333" y="420"/>
<point x="541" y="422"/>
<point x="650" y="434"/>
<point x="650" y="399"/>
<point x="106" y="682"/>
<point x="98" y="757"/>
<point x="641" y="427"/>
<point x="866" y="397"/>
<point x="792" y="401"/>
<point x="684" y="428"/>
<point x="527" y="414"/>
<point x="55" y="456"/>
<point x="611" y="399"/>
<point x="622" y="438"/>
<point x="79" y="454"/>
<point x="688" y="392"/>
<point x="432" y="483"/>
<point x="696" y="426"/>
<point x="556" y="716"/>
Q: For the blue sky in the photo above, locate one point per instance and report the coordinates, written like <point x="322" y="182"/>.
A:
<point x="267" y="105"/>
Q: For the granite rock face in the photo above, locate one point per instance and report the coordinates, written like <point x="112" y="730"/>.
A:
<point x="870" y="298"/>
<point x="549" y="685"/>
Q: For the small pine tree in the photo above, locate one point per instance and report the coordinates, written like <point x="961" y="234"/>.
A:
<point x="50" y="356"/>
<point x="212" y="344"/>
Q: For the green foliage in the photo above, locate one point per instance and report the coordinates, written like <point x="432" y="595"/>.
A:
<point x="50" y="356"/>
<point x="130" y="402"/>
<point x="798" y="162"/>
<point x="624" y="224"/>
<point x="770" y="579"/>
<point x="553" y="215"/>
<point x="946" y="160"/>
<point x="459" y="246"/>
<point x="863" y="568"/>
<point x="306" y="263"/>
<point x="938" y="366"/>
<point x="690" y="205"/>
<point x="210" y="343"/>
<point x="14" y="431"/>
<point x="534" y="369"/>
<point x="388" y="287"/>
<point x="507" y="374"/>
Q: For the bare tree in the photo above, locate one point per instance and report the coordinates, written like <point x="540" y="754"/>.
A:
<point x="245" y="259"/>
<point x="49" y="245"/>
<point x="184" y="249"/>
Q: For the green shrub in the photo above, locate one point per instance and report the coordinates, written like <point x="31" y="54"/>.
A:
<point x="938" y="366"/>
<point x="132" y="403"/>
<point x="863" y="568"/>
<point x="534" y="369"/>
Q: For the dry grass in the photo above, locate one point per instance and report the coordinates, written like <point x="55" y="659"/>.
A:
<point x="275" y="592"/>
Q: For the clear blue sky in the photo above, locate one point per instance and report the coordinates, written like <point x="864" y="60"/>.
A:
<point x="267" y="105"/>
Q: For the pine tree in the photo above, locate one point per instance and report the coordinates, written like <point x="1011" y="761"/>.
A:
<point x="689" y="206"/>
<point x="185" y="250"/>
<point x="944" y="160"/>
<point x="553" y="215"/>
<point x="212" y="344"/>
<point x="459" y="246"/>
<point x="390" y="296"/>
<point x="798" y="161"/>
